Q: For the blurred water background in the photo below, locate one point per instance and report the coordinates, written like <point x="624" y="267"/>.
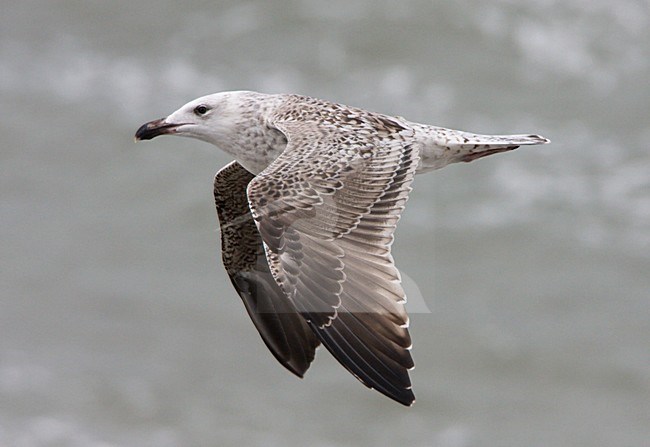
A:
<point x="118" y="326"/>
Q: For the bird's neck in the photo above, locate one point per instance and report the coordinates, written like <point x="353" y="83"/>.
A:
<point x="254" y="145"/>
<point x="246" y="135"/>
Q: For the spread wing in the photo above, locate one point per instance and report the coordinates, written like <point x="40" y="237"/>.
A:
<point x="327" y="209"/>
<point x="283" y="330"/>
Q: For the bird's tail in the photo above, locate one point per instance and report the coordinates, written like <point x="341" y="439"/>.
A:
<point x="473" y="146"/>
<point x="443" y="146"/>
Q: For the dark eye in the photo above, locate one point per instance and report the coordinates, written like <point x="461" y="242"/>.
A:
<point x="201" y="110"/>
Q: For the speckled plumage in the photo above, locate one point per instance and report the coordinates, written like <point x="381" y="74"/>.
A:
<point x="283" y="330"/>
<point x="307" y="217"/>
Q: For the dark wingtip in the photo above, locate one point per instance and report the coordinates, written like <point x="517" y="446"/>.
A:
<point x="407" y="399"/>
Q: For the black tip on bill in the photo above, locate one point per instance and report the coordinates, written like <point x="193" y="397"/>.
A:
<point x="152" y="129"/>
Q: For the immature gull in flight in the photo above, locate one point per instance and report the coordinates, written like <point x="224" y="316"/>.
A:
<point x="307" y="214"/>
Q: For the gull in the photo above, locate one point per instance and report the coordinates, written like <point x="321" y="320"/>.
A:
<point x="307" y="213"/>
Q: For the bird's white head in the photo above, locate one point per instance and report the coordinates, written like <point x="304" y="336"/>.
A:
<point x="232" y="121"/>
<point x="209" y="118"/>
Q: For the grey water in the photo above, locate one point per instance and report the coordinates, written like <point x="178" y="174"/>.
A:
<point x="528" y="272"/>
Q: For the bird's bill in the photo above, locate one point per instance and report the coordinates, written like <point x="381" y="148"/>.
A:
<point x="152" y="129"/>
